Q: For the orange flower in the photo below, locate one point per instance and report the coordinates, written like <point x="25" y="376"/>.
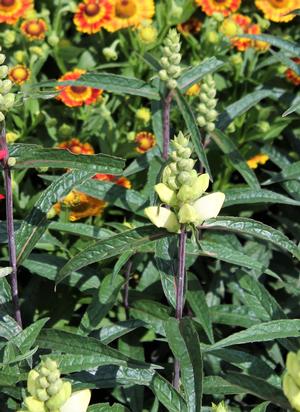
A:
<point x="74" y="96"/>
<point x="75" y="146"/>
<point x="12" y="10"/>
<point x="19" y="74"/>
<point x="278" y="10"/>
<point x="225" y="7"/>
<point x="259" y="159"/>
<point x="91" y="15"/>
<point x="81" y="205"/>
<point x="128" y="13"/>
<point x="121" y="181"/>
<point x="34" y="29"/>
<point x="145" y="141"/>
<point x="191" y="26"/>
<point x="291" y="75"/>
<point x="193" y="90"/>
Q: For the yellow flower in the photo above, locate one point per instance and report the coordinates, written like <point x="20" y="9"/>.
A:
<point x="11" y="137"/>
<point x="193" y="90"/>
<point x="259" y="159"/>
<point x="148" y="34"/>
<point x="291" y="380"/>
<point x="163" y="217"/>
<point x="127" y="13"/>
<point x="278" y="10"/>
<point x="145" y="141"/>
<point x="19" y="74"/>
<point x="143" y="114"/>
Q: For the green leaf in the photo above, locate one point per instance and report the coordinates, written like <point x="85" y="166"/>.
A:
<point x="242" y="196"/>
<point x="122" y="260"/>
<point x="294" y="107"/>
<point x="263" y="332"/>
<point x="233" y="315"/>
<point x="153" y="314"/>
<point x="229" y="148"/>
<point x="185" y="345"/>
<point x="289" y="172"/>
<point x="196" y="73"/>
<point x="281" y="57"/>
<point x="276" y="41"/>
<point x="241" y="106"/>
<point x="157" y="122"/>
<point x="127" y="199"/>
<point x="130" y="240"/>
<point x="48" y="266"/>
<point x="259" y="387"/>
<point x="166" y="261"/>
<point x="167" y="395"/>
<point x="106" y="407"/>
<point x="193" y="129"/>
<point x="110" y="82"/>
<point x="82" y="229"/>
<point x="31" y="155"/>
<point x="196" y="299"/>
<point x="261" y="408"/>
<point x="245" y="226"/>
<point x="108" y="334"/>
<point x="36" y="222"/>
<point x="141" y="162"/>
<point x="215" y="385"/>
<point x="83" y="350"/>
<point x="101" y="304"/>
<point x="27" y="338"/>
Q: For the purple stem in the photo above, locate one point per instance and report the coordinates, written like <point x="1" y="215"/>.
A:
<point x="126" y="290"/>
<point x="180" y="294"/>
<point x="166" y="124"/>
<point x="10" y="231"/>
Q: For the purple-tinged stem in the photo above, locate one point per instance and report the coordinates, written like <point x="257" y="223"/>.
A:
<point x="10" y="230"/>
<point x="126" y="289"/>
<point x="180" y="294"/>
<point x="166" y="124"/>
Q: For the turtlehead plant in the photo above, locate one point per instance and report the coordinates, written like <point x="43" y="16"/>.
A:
<point x="171" y="59"/>
<point x="207" y="114"/>
<point x="291" y="379"/>
<point x="7" y="99"/>
<point x="183" y="190"/>
<point x="48" y="392"/>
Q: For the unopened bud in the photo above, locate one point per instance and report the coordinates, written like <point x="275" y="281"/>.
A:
<point x="9" y="100"/>
<point x="11" y="161"/>
<point x="163" y="75"/>
<point x="172" y="84"/>
<point x="3" y="71"/>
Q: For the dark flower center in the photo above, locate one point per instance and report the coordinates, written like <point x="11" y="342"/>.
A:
<point x="91" y="9"/>
<point x="7" y="3"/>
<point x="78" y="89"/>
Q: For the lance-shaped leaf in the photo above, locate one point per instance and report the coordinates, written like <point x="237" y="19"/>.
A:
<point x="193" y="129"/>
<point x="30" y="155"/>
<point x="276" y="41"/>
<point x="36" y="222"/>
<point x="110" y="82"/>
<point x="229" y="148"/>
<point x="244" y="196"/>
<point x="196" y="73"/>
<point x="185" y="345"/>
<point x="245" y="226"/>
<point x="112" y="246"/>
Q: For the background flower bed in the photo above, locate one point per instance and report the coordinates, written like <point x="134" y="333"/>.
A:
<point x="234" y="282"/>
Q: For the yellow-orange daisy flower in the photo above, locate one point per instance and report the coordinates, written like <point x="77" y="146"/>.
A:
<point x="34" y="29"/>
<point x="74" y="96"/>
<point x="128" y="13"/>
<point x="259" y="159"/>
<point x="91" y="15"/>
<point x="260" y="45"/>
<point x="191" y="26"/>
<point x="121" y="181"/>
<point x="225" y="7"/>
<point x="81" y="205"/>
<point x="19" y="74"/>
<point x="278" y="10"/>
<point x="75" y="146"/>
<point x="145" y="141"/>
<point x="12" y="10"/>
<point x="291" y="75"/>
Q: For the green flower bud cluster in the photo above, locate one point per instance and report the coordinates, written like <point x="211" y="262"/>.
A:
<point x="171" y="59"/>
<point x="7" y="99"/>
<point x="206" y="108"/>
<point x="48" y="391"/>
<point x="221" y="407"/>
<point x="182" y="189"/>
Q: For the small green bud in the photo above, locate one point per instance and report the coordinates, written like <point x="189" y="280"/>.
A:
<point x="5" y="86"/>
<point x="9" y="100"/>
<point x="212" y="115"/>
<point x="3" y="71"/>
<point x="202" y="108"/>
<point x="210" y="127"/>
<point x="43" y="382"/>
<point x="212" y="93"/>
<point x="51" y="365"/>
<point x="65" y="131"/>
<point x="33" y="375"/>
<point x="110" y="53"/>
<point x="186" y="153"/>
<point x="44" y="371"/>
<point x="53" y="39"/>
<point x="167" y="52"/>
<point x="203" y="97"/>
<point x="186" y="164"/>
<point x="11" y="161"/>
<point x="171" y="182"/>
<point x="53" y="376"/>
<point x="188" y="215"/>
<point x="201" y="121"/>
<point x="172" y="84"/>
<point x="175" y="58"/>
<point x="56" y="401"/>
<point x="55" y="387"/>
<point x="173" y="168"/>
<point x="163" y="75"/>
<point x="42" y="395"/>
<point x="2" y="117"/>
<point x="186" y="177"/>
<point x="165" y="62"/>
<point x="2" y="58"/>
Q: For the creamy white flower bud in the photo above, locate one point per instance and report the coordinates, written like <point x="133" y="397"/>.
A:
<point x="2" y="58"/>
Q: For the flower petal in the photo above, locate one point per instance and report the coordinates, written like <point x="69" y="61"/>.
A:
<point x="163" y="217"/>
<point x="165" y="194"/>
<point x="209" y="206"/>
<point x="78" y="402"/>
